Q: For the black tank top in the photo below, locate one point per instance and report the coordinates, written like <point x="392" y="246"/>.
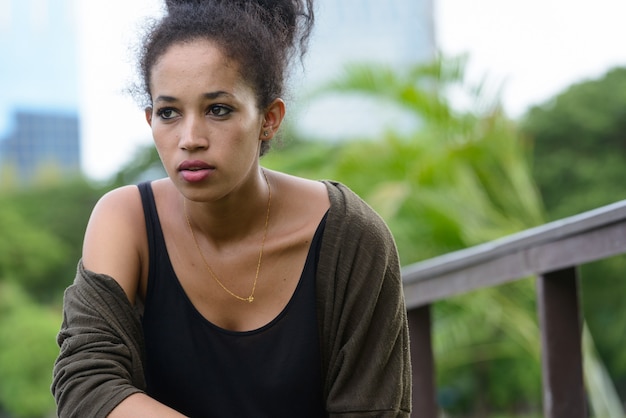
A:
<point x="203" y="370"/>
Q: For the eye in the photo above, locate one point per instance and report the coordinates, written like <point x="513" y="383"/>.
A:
<point x="219" y="110"/>
<point x="167" y="113"/>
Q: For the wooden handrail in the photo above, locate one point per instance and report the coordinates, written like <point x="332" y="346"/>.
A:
<point x="552" y="252"/>
<point x="590" y="236"/>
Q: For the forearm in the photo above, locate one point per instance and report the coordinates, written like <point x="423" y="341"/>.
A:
<point x="140" y="405"/>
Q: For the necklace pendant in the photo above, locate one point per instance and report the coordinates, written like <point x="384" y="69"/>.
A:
<point x="250" y="299"/>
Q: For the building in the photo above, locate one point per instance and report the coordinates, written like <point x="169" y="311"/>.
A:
<point x="39" y="85"/>
<point x="396" y="33"/>
<point x="42" y="145"/>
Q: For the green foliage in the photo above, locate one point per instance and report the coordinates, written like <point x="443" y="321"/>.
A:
<point x="27" y="252"/>
<point x="603" y="289"/>
<point x="580" y="144"/>
<point x="27" y="353"/>
<point x="42" y="231"/>
<point x="488" y="351"/>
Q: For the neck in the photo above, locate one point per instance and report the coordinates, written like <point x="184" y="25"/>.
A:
<point x="233" y="218"/>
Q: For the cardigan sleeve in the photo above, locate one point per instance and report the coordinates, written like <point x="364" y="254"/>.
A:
<point x="101" y="348"/>
<point x="362" y="312"/>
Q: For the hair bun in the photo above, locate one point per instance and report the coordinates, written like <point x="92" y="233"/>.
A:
<point x="290" y="20"/>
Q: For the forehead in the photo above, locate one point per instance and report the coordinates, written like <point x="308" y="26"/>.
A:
<point x="194" y="64"/>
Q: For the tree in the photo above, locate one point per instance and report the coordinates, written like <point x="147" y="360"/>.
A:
<point x="579" y="139"/>
<point x="27" y="352"/>
<point x="42" y="232"/>
<point x="27" y="253"/>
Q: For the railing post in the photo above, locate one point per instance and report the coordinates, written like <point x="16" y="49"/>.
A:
<point x="422" y="362"/>
<point x="561" y="344"/>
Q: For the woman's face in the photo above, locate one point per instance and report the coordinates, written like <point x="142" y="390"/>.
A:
<point x="205" y="121"/>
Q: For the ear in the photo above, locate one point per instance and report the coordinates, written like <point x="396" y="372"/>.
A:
<point x="272" y="118"/>
<point x="148" y="112"/>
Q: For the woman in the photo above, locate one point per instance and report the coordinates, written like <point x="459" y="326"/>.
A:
<point x="227" y="289"/>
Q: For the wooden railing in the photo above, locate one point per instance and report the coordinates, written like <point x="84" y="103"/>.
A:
<point x="551" y="252"/>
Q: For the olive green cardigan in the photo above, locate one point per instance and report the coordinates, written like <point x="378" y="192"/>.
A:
<point x="361" y="315"/>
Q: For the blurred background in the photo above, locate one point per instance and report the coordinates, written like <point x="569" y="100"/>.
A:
<point x="460" y="122"/>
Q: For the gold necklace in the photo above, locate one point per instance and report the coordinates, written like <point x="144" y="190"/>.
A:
<point x="258" y="266"/>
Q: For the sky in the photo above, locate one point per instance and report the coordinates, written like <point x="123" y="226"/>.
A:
<point x="535" y="48"/>
<point x="32" y="53"/>
<point x="530" y="49"/>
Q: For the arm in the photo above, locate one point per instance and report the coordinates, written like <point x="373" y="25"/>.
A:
<point x="115" y="240"/>
<point x="99" y="370"/>
<point x="140" y="405"/>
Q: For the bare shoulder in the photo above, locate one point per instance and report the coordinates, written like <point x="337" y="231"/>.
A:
<point x="302" y="195"/>
<point x="114" y="241"/>
<point x="300" y="205"/>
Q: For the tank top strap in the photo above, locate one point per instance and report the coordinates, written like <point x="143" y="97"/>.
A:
<point x="155" y="237"/>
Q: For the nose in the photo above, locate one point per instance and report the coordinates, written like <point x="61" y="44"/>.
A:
<point x="193" y="134"/>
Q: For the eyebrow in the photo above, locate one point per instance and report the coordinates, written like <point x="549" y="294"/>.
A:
<point x="211" y="96"/>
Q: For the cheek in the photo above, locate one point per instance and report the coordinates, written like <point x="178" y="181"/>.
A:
<point x="161" y="150"/>
<point x="165" y="147"/>
<point x="161" y="136"/>
<point x="241" y="133"/>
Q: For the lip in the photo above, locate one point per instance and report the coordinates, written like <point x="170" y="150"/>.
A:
<point x="194" y="171"/>
<point x="194" y="165"/>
